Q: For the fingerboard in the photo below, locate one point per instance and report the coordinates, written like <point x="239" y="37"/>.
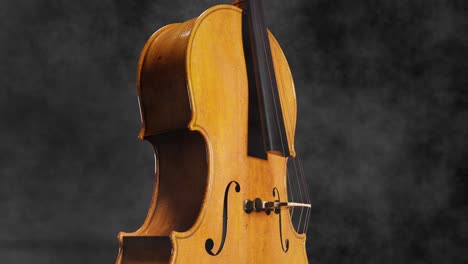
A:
<point x="269" y="106"/>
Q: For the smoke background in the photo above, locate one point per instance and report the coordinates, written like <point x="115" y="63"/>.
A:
<point x="383" y="125"/>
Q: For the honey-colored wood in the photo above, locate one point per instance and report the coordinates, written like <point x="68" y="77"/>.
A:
<point x="197" y="121"/>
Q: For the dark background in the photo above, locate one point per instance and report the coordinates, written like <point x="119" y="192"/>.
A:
<point x="383" y="125"/>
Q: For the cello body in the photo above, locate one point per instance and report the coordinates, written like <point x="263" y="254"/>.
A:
<point x="193" y="95"/>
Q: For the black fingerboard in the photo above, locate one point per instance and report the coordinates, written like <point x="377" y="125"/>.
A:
<point x="268" y="117"/>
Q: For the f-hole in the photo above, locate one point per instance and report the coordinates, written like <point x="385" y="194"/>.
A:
<point x="285" y="245"/>
<point x="209" y="243"/>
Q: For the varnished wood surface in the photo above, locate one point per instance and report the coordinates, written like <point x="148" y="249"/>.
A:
<point x="208" y="96"/>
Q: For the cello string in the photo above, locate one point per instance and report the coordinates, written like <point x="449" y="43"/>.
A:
<point x="303" y="180"/>
<point x="306" y="191"/>
<point x="261" y="26"/>
<point x="265" y="34"/>
<point x="290" y="189"/>
<point x="300" y="191"/>
<point x="299" y="182"/>
<point x="301" y="166"/>
<point x="301" y="170"/>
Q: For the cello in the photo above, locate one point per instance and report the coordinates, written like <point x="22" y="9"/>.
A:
<point x="218" y="106"/>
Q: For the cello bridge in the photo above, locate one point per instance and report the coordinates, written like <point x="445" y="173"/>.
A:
<point x="258" y="205"/>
